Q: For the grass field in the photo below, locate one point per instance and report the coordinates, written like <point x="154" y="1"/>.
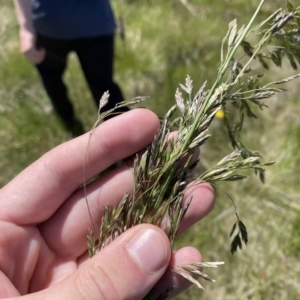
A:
<point x="165" y="41"/>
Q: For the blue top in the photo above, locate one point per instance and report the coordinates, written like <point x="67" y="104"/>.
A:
<point x="70" y="19"/>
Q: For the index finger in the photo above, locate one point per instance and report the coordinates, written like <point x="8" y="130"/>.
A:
<point x="37" y="192"/>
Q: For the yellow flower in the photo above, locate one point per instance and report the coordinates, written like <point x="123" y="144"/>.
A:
<point x="220" y="114"/>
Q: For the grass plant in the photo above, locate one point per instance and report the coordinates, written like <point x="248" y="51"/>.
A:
<point x="160" y="181"/>
<point x="151" y="61"/>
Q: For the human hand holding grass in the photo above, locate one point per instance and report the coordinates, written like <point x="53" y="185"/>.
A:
<point x="43" y="222"/>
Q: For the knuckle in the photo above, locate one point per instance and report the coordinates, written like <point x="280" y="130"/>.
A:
<point x="94" y="283"/>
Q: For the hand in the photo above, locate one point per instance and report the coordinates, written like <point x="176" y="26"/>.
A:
<point x="28" y="48"/>
<point x="44" y="222"/>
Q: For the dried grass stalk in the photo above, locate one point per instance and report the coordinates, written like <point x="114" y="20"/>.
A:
<point x="159" y="181"/>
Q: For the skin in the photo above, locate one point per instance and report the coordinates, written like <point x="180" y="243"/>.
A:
<point x="28" y="48"/>
<point x="27" y="32"/>
<point x="44" y="222"/>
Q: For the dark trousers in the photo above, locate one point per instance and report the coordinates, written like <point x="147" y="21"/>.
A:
<point x="96" y="58"/>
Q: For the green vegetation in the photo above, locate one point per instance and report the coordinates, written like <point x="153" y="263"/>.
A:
<point x="165" y="41"/>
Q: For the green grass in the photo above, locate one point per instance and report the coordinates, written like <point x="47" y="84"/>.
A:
<point x="165" y="42"/>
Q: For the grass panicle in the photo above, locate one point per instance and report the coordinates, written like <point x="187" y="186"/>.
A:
<point x="163" y="171"/>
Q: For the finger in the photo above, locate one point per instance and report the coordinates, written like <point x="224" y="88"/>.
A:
<point x="201" y="199"/>
<point x="127" y="268"/>
<point x="67" y="236"/>
<point x="39" y="55"/>
<point x="35" y="56"/>
<point x="170" y="280"/>
<point x="37" y="192"/>
<point x="65" y="232"/>
<point x="7" y="289"/>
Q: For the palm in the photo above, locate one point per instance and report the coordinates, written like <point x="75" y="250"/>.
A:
<point x="35" y="265"/>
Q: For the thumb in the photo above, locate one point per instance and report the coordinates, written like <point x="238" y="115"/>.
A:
<point x="127" y="268"/>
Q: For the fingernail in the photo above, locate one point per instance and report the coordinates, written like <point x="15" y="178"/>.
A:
<point x="148" y="250"/>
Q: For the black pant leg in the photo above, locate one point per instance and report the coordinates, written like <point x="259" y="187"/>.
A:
<point x="96" y="56"/>
<point x="51" y="71"/>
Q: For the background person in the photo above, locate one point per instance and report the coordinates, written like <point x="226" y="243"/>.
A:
<point x="51" y="29"/>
